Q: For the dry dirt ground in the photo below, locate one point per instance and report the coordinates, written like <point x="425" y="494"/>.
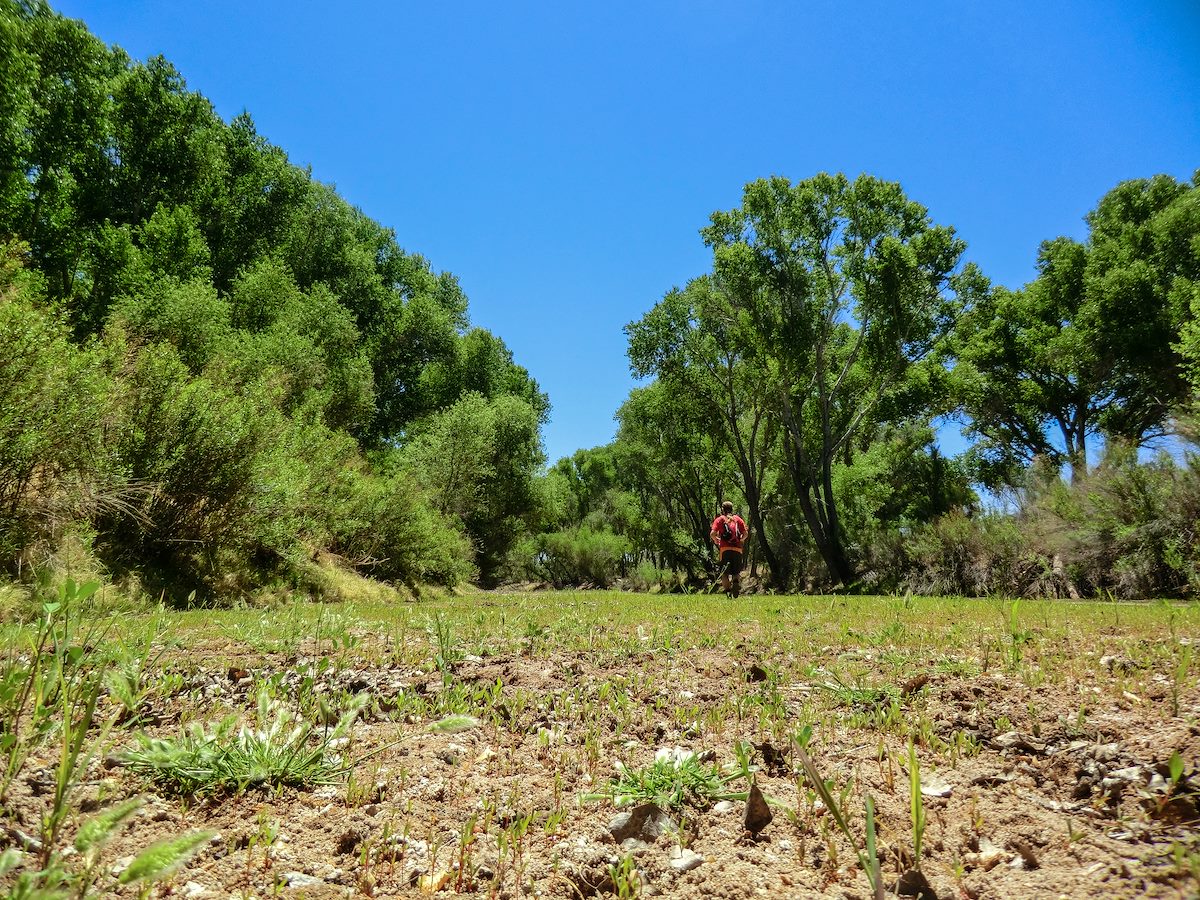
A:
<point x="1049" y="785"/>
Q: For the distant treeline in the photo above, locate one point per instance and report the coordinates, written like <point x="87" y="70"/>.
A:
<point x="215" y="372"/>
<point x="805" y="375"/>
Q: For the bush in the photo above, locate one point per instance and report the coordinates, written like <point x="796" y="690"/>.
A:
<point x="975" y="557"/>
<point x="54" y="401"/>
<point x="1128" y="527"/>
<point x="579" y="555"/>
<point x="388" y="527"/>
<point x="200" y="451"/>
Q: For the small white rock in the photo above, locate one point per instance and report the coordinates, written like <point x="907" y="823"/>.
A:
<point x="121" y="865"/>
<point x="722" y="807"/>
<point x="935" y="786"/>
<point x="684" y="860"/>
<point x="300" y="879"/>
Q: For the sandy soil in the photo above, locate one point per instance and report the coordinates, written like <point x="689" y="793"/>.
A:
<point x="1041" y="801"/>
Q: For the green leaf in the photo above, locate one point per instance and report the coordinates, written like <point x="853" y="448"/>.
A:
<point x="1175" y="767"/>
<point x="454" y="724"/>
<point x="98" y="829"/>
<point x="163" y="857"/>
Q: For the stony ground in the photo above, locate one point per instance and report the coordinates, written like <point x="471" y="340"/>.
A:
<point x="1043" y="750"/>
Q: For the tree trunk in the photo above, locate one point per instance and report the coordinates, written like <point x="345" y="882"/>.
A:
<point x="832" y="553"/>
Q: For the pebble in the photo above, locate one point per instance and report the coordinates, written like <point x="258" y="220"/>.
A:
<point x="121" y="865"/>
<point x="935" y="786"/>
<point x="1130" y="774"/>
<point x="194" y="889"/>
<point x="684" y="860"/>
<point x="300" y="880"/>
<point x="722" y="807"/>
<point x="1013" y="740"/>
<point x="640" y="827"/>
<point x="988" y="857"/>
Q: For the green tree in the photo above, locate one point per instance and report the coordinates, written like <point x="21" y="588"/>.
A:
<point x="844" y="287"/>
<point x="1091" y="346"/>
<point x="18" y="73"/>
<point x="260" y="193"/>
<point x="696" y="342"/>
<point x="167" y="141"/>
<point x="66" y="164"/>
<point x="667" y="453"/>
<point x="478" y="459"/>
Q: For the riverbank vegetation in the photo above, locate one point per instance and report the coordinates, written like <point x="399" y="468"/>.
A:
<point x="221" y="381"/>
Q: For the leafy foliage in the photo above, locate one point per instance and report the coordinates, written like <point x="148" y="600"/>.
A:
<point x="217" y="358"/>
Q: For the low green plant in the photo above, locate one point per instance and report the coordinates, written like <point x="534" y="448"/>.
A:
<point x="859" y="695"/>
<point x="279" y="751"/>
<point x="916" y="804"/>
<point x="866" y="852"/>
<point x="55" y="668"/>
<point x="1179" y="675"/>
<point x="446" y="651"/>
<point x="671" y="782"/>
<point x="1017" y="636"/>
<point x="623" y="874"/>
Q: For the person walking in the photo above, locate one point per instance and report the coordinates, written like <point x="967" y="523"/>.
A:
<point x="728" y="532"/>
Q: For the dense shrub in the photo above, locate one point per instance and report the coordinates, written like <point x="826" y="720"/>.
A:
<point x="55" y="399"/>
<point x="1129" y="526"/>
<point x="201" y="451"/>
<point x="389" y="528"/>
<point x="580" y="555"/>
<point x="1127" y="529"/>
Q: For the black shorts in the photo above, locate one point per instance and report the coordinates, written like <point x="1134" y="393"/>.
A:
<point x="731" y="561"/>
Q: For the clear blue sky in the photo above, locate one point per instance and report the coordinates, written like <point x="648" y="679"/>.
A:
<point x="560" y="157"/>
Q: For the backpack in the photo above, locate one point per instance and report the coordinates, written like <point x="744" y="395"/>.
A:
<point x="730" y="530"/>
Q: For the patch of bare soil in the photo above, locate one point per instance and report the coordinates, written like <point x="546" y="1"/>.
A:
<point x="1050" y="802"/>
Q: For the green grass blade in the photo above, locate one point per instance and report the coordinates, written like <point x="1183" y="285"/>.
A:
<point x="163" y="857"/>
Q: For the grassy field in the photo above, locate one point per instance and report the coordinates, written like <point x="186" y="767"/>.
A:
<point x="511" y="745"/>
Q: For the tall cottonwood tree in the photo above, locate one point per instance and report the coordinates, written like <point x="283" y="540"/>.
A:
<point x="1089" y="347"/>
<point x="844" y="292"/>
<point x="694" y="340"/>
<point x="275" y="324"/>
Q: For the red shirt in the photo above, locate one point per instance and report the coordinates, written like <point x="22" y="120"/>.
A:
<point x="715" y="532"/>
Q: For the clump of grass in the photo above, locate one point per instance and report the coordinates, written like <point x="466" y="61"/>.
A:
<point x="279" y="752"/>
<point x="860" y="695"/>
<point x="671" y="781"/>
